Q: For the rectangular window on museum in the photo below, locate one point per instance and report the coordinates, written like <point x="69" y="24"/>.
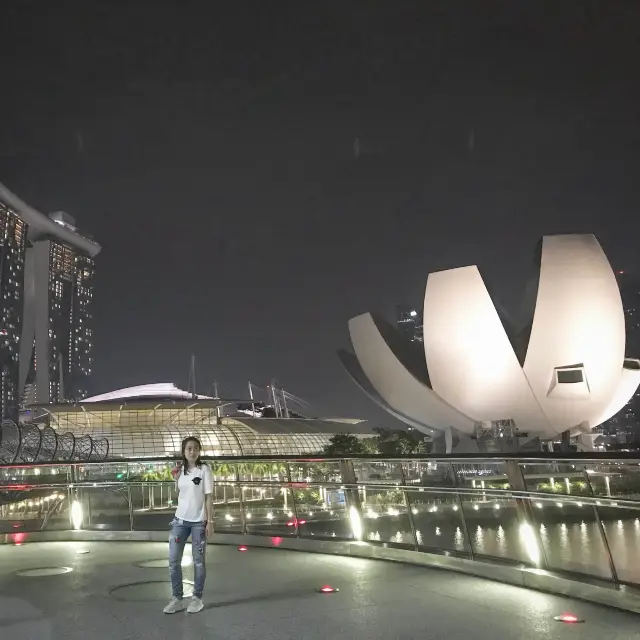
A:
<point x="569" y="376"/>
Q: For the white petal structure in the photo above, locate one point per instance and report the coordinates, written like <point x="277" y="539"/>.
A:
<point x="565" y="370"/>
<point x="472" y="364"/>
<point x="398" y="376"/>
<point x="578" y="332"/>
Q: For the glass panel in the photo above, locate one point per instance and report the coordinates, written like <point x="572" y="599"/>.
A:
<point x="483" y="474"/>
<point x="316" y="472"/>
<point x="493" y="526"/>
<point x="558" y="477"/>
<point x="263" y="471"/>
<point x="374" y="472"/>
<point x="224" y="471"/>
<point x="428" y="474"/>
<point x="120" y="472"/>
<point x="325" y="513"/>
<point x="227" y="517"/>
<point x="438" y="521"/>
<point x="153" y="505"/>
<point x="386" y="517"/>
<point x="226" y="493"/>
<point x="618" y="480"/>
<point x="622" y="528"/>
<point x="49" y="474"/>
<point x="571" y="537"/>
<point x="101" y="509"/>
<point x="33" y="510"/>
<point x="275" y="516"/>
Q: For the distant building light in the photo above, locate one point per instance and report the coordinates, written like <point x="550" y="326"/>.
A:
<point x="413" y="313"/>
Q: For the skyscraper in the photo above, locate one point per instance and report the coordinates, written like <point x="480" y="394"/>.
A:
<point x="13" y="235"/>
<point x="629" y="285"/>
<point x="409" y="323"/>
<point x="54" y="331"/>
<point x="625" y="426"/>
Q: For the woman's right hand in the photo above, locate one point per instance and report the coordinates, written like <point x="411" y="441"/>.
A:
<point x="175" y="471"/>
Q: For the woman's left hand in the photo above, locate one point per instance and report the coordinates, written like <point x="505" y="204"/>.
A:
<point x="209" y="529"/>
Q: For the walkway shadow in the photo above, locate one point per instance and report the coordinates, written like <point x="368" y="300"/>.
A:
<point x="261" y="597"/>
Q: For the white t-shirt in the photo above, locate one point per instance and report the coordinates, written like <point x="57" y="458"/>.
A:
<point x="191" y="494"/>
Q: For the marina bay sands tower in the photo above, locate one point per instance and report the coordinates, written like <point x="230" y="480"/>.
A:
<point x="48" y="267"/>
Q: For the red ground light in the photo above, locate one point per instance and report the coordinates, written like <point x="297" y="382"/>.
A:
<point x="18" y="539"/>
<point x="569" y="618"/>
<point x="243" y="548"/>
<point x="327" y="589"/>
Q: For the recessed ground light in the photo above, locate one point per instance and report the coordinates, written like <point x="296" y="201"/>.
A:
<point x="243" y="548"/>
<point x="327" y="589"/>
<point x="568" y="618"/>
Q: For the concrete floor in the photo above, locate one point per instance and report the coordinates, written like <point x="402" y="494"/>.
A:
<point x="270" y="594"/>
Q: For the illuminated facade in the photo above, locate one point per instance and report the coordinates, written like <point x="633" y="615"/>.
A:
<point x="60" y="278"/>
<point x="13" y="235"/>
<point x="565" y="371"/>
<point x="48" y="309"/>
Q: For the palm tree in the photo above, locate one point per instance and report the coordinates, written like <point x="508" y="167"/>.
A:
<point x="151" y="475"/>
<point x="224" y="470"/>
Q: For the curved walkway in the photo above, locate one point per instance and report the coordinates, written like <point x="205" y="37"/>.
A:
<point x="271" y="594"/>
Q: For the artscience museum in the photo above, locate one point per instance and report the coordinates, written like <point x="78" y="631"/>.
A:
<point x="560" y="374"/>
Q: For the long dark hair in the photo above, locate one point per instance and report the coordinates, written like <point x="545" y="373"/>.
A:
<point x="185" y="464"/>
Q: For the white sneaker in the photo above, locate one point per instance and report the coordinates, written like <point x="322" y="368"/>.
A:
<point x="195" y="605"/>
<point x="176" y="604"/>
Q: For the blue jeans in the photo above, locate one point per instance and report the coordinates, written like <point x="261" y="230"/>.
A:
<point x="180" y="531"/>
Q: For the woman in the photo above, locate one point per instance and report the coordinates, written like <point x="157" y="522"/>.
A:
<point x="194" y="516"/>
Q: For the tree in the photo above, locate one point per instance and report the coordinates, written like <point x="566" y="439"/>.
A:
<point x="371" y="445"/>
<point x="395" y="442"/>
<point x="345" y="444"/>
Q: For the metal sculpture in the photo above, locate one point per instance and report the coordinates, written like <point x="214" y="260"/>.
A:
<point x="29" y="443"/>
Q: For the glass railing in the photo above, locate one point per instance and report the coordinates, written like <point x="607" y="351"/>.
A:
<point x="574" y="516"/>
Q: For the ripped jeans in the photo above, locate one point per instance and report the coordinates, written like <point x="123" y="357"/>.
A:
<point x="180" y="531"/>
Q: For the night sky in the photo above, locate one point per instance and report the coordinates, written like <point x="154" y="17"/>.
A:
<point x="211" y="149"/>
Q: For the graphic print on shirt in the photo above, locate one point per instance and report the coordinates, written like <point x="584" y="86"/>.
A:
<point x="192" y="488"/>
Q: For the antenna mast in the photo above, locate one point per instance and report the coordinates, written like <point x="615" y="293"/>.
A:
<point x="253" y="404"/>
<point x="192" y="377"/>
<point x="284" y="402"/>
<point x="276" y="404"/>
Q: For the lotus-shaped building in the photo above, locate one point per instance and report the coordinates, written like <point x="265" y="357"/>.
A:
<point x="565" y="370"/>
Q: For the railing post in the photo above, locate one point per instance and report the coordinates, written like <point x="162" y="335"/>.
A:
<point x="465" y="526"/>
<point x="603" y="532"/>
<point x="524" y="510"/>
<point x="243" y="517"/>
<point x="352" y="499"/>
<point x="130" y="501"/>
<point x="70" y="493"/>
<point x="87" y="493"/>
<point x="294" y="506"/>
<point x="407" y="502"/>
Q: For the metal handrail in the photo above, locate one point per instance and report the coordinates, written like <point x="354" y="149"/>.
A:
<point x="607" y="501"/>
<point x="578" y="457"/>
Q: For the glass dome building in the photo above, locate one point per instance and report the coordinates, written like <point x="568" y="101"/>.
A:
<point x="151" y="422"/>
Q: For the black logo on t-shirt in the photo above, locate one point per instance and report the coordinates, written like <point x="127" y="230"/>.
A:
<point x="196" y="481"/>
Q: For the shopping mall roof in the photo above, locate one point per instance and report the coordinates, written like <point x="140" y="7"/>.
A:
<point x="295" y="425"/>
<point x="147" y="425"/>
